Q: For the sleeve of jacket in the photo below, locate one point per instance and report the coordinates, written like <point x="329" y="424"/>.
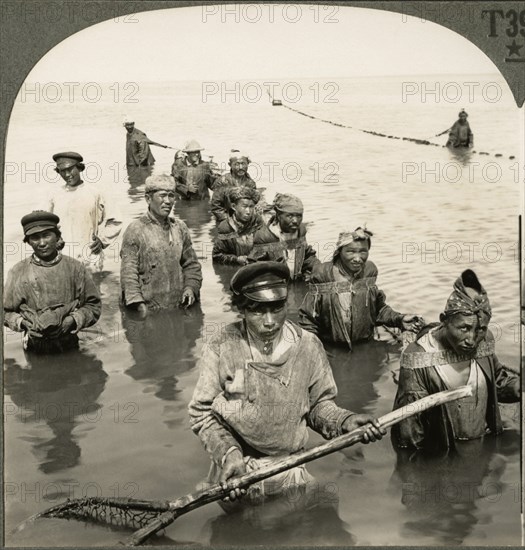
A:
<point x="508" y="384"/>
<point x="221" y="253"/>
<point x="13" y="300"/>
<point x="109" y="226"/>
<point x="129" y="267"/>
<point x="191" y="267"/>
<point x="88" y="313"/>
<point x="325" y="417"/>
<point x="214" y="434"/>
<point x="309" y="312"/>
<point x="142" y="148"/>
<point x="180" y="185"/>
<point x="385" y="314"/>
<point x="410" y="432"/>
<point x="217" y="202"/>
<point x="310" y="260"/>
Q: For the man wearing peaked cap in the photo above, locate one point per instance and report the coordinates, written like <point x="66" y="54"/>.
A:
<point x="194" y="176"/>
<point x="159" y="267"/>
<point x="249" y="370"/>
<point x="284" y="238"/>
<point x="238" y="177"/>
<point x="49" y="296"/>
<point x="138" y="152"/>
<point x="457" y="351"/>
<point x="89" y="220"/>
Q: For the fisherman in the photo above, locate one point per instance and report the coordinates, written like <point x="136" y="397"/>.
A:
<point x="457" y="351"/>
<point x="235" y="234"/>
<point x="343" y="303"/>
<point x="193" y="176"/>
<point x="460" y="135"/>
<point x="49" y="296"/>
<point x="238" y="177"/>
<point x="88" y="219"/>
<point x="262" y="381"/>
<point x="284" y="238"/>
<point x="138" y="152"/>
<point x="159" y="267"/>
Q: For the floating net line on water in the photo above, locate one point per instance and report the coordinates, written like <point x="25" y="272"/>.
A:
<point x="379" y="134"/>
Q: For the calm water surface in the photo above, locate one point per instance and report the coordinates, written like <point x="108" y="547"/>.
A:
<point x="111" y="419"/>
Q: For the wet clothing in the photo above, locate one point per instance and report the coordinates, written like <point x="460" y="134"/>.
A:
<point x="262" y="404"/>
<point x="234" y="240"/>
<point x="84" y="213"/>
<point x="138" y="151"/>
<point x="220" y="204"/>
<point x="158" y="263"/>
<point x="42" y="294"/>
<point x="339" y="308"/>
<point x="460" y="135"/>
<point x="269" y="243"/>
<point x="423" y="372"/>
<point x="200" y="175"/>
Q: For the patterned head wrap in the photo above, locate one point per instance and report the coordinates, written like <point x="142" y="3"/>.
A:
<point x="469" y="298"/>
<point x="347" y="237"/>
<point x="283" y="202"/>
<point x="237" y="193"/>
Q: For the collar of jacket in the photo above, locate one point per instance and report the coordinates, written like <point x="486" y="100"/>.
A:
<point x="149" y="217"/>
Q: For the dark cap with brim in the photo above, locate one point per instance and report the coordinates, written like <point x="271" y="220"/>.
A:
<point x="262" y="281"/>
<point x="65" y="160"/>
<point x="38" y="221"/>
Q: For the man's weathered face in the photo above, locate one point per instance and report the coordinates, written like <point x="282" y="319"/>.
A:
<point x="243" y="209"/>
<point x="289" y="222"/>
<point x="160" y="203"/>
<point x="129" y="127"/>
<point x="354" y="255"/>
<point x="464" y="333"/>
<point x="239" y="166"/>
<point x="266" y="319"/>
<point x="193" y="157"/>
<point x="462" y="117"/>
<point x="71" y="175"/>
<point x="44" y="244"/>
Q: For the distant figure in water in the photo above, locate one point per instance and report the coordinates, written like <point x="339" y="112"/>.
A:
<point x="344" y="303"/>
<point x="263" y="381"/>
<point x="460" y="135"/>
<point x="138" y="152"/>
<point x="193" y="176"/>
<point x="49" y="296"/>
<point x="159" y="267"/>
<point x="457" y="351"/>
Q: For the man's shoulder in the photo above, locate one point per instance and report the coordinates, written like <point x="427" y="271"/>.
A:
<point x="20" y="266"/>
<point x="227" y="335"/>
<point x="224" y="227"/>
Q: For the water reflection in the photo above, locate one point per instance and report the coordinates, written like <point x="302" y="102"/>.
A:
<point x="161" y="346"/>
<point x="441" y="494"/>
<point x="310" y="520"/>
<point x="62" y="390"/>
<point x="136" y="177"/>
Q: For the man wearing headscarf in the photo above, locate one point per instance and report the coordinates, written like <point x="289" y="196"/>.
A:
<point x="159" y="267"/>
<point x="284" y="238"/>
<point x="49" y="296"/>
<point x="138" y="152"/>
<point x="343" y="303"/>
<point x="238" y="177"/>
<point x="460" y="134"/>
<point x="235" y="234"/>
<point x="263" y="381"/>
<point x="193" y="176"/>
<point x="457" y="351"/>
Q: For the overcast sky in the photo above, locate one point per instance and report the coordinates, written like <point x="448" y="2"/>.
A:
<point x="205" y="42"/>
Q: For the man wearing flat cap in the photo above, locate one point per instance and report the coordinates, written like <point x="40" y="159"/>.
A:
<point x="159" y="267"/>
<point x="344" y="304"/>
<point x="284" y="238"/>
<point x="193" y="176"/>
<point x="49" y="297"/>
<point x="457" y="351"/>
<point x="89" y="221"/>
<point x="238" y="177"/>
<point x="262" y="381"/>
<point x="138" y="152"/>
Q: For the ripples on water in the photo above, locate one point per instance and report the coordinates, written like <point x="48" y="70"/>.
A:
<point x="112" y="418"/>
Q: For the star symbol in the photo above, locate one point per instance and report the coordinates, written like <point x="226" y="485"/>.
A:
<point x="514" y="48"/>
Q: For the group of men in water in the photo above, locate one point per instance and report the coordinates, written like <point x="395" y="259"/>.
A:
<point x="264" y="361"/>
